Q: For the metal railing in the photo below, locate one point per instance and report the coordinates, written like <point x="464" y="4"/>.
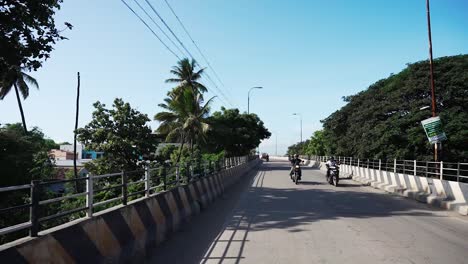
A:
<point x="95" y="193"/>
<point x="451" y="171"/>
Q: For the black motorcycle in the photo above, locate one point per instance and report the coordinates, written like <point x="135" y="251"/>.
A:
<point x="295" y="175"/>
<point x="333" y="175"/>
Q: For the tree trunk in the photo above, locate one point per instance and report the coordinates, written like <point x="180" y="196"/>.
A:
<point x="21" y="109"/>
<point x="76" y="126"/>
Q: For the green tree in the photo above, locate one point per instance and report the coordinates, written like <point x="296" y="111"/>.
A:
<point x="384" y="121"/>
<point x="317" y="144"/>
<point x="27" y="33"/>
<point x="17" y="79"/>
<point x="235" y="133"/>
<point x="184" y="118"/>
<point x="121" y="133"/>
<point x="186" y="76"/>
<point x="299" y="148"/>
<point x="24" y="157"/>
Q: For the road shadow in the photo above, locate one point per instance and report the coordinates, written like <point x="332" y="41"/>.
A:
<point x="221" y="233"/>
<point x="311" y="183"/>
<point x="264" y="208"/>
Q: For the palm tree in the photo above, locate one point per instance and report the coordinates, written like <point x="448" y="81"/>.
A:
<point x="186" y="76"/>
<point x="184" y="118"/>
<point x="16" y="78"/>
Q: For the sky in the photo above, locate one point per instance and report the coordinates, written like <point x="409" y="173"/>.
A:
<point x="306" y="54"/>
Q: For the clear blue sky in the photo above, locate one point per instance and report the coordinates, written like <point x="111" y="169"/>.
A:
<point x="307" y="54"/>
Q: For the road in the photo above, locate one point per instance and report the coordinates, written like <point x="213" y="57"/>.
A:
<point x="265" y="218"/>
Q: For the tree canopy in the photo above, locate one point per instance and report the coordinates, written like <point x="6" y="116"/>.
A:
<point x="384" y="121"/>
<point x="235" y="133"/>
<point x="27" y="33"/>
<point x="24" y="157"/>
<point x="121" y="133"/>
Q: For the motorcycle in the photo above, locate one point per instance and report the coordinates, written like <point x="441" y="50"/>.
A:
<point x="333" y="177"/>
<point x="295" y="175"/>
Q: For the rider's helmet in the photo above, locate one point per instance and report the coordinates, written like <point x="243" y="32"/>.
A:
<point x="332" y="158"/>
<point x="296" y="156"/>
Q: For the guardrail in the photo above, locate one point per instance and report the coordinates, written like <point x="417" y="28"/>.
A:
<point x="99" y="192"/>
<point x="451" y="171"/>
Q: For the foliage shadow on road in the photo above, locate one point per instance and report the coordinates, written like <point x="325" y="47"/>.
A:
<point x="264" y="209"/>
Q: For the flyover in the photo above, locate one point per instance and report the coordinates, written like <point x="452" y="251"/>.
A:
<point x="260" y="217"/>
<point x="268" y="219"/>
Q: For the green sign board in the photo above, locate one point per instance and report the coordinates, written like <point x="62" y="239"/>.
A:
<point x="433" y="128"/>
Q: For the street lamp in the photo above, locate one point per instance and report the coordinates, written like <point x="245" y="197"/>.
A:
<point x="275" y="133"/>
<point x="248" y="97"/>
<point x="300" y="118"/>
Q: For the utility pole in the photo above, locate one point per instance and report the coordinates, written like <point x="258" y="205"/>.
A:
<point x="76" y="126"/>
<point x="431" y="68"/>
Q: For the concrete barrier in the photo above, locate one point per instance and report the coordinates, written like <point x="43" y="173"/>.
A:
<point x="441" y="193"/>
<point x="123" y="234"/>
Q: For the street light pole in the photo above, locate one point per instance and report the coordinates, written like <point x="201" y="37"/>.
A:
<point x="248" y="97"/>
<point x="276" y="144"/>
<point x="300" y="118"/>
<point x="431" y="68"/>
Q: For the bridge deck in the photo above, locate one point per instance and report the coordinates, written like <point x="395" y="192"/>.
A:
<point x="267" y="219"/>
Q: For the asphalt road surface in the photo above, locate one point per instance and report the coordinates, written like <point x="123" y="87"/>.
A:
<point x="266" y="218"/>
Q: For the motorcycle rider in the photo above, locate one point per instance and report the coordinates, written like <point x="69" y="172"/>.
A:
<point x="330" y="163"/>
<point x="295" y="160"/>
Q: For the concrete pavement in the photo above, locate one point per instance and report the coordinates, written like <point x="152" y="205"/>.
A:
<point x="267" y="219"/>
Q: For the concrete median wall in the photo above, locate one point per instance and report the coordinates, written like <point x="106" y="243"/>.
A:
<point x="441" y="193"/>
<point x="124" y="234"/>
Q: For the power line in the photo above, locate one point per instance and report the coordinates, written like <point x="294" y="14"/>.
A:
<point x="159" y="27"/>
<point x="184" y="47"/>
<point x="193" y="41"/>
<point x="169" y="28"/>
<point x="165" y="45"/>
<point x="154" y="33"/>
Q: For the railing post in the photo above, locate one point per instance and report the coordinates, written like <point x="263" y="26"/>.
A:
<point x="147" y="180"/>
<point x="89" y="195"/>
<point x="394" y="165"/>
<point x="124" y="188"/>
<point x="367" y="163"/>
<point x="164" y="177"/>
<point x="177" y="174"/>
<point x="191" y="171"/>
<point x="358" y="160"/>
<point x="33" y="211"/>
<point x="351" y="161"/>
<point x="415" y="167"/>
<point x="427" y="167"/>
<point x="458" y="172"/>
<point x="441" y="170"/>
<point x="380" y="164"/>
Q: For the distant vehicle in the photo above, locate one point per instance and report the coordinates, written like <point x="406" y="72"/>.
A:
<point x="265" y="156"/>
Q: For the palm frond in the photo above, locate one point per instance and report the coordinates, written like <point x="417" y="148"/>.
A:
<point x="22" y="87"/>
<point x="31" y="80"/>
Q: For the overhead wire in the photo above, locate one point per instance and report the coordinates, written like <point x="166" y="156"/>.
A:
<point x="193" y="41"/>
<point x="154" y="33"/>
<point x="185" y="48"/>
<point x="225" y="100"/>
<point x="158" y="26"/>
<point x="196" y="45"/>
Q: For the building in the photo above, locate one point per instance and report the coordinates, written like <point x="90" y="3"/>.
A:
<point x="58" y="154"/>
<point x="66" y="153"/>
